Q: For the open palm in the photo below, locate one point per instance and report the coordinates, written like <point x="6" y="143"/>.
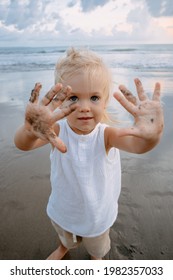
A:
<point x="40" y="116"/>
<point x="147" y="113"/>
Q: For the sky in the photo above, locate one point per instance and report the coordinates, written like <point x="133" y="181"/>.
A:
<point x="55" y="22"/>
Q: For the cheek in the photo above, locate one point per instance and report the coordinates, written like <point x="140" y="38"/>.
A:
<point x="71" y="117"/>
<point x="100" y="111"/>
<point x="103" y="106"/>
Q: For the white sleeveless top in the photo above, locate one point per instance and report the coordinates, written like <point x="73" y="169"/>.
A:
<point x="85" y="182"/>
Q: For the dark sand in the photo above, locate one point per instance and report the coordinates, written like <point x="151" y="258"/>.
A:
<point x="144" y="228"/>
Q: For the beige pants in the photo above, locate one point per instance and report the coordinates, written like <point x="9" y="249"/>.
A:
<point x="97" y="246"/>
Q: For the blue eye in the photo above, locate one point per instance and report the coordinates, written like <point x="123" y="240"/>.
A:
<point x="95" y="98"/>
<point x="73" y="98"/>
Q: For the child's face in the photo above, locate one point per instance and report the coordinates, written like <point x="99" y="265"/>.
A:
<point x="90" y="100"/>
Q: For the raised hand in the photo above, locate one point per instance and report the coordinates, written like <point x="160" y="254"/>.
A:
<point x="147" y="113"/>
<point x="40" y="116"/>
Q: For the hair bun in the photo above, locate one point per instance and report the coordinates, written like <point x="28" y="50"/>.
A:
<point x="72" y="52"/>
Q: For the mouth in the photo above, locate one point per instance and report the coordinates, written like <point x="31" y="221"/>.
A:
<point x="85" y="118"/>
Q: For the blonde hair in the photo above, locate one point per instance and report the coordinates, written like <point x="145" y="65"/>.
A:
<point x="84" y="60"/>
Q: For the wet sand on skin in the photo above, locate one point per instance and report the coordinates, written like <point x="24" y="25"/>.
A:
<point x="144" y="227"/>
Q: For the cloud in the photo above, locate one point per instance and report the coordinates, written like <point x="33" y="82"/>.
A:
<point x="50" y="22"/>
<point x="159" y="8"/>
<point x="92" y="4"/>
<point x="21" y="14"/>
<point x="143" y="25"/>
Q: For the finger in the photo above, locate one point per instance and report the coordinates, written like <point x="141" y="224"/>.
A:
<point x="63" y="112"/>
<point x="131" y="108"/>
<point x="51" y="94"/>
<point x="35" y="93"/>
<point x="67" y="90"/>
<point x="156" y="94"/>
<point x="140" y="90"/>
<point x="128" y="95"/>
<point x="57" y="142"/>
<point x="60" y="98"/>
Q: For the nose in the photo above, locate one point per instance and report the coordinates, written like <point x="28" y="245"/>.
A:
<point x="84" y="107"/>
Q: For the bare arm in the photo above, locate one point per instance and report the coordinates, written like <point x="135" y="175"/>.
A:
<point x="26" y="140"/>
<point x="40" y="125"/>
<point x="148" y="121"/>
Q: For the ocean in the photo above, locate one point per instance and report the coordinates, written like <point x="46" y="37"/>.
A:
<point x="150" y="63"/>
<point x="144" y="57"/>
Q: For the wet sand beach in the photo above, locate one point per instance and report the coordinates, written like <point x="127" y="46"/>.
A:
<point x="144" y="228"/>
